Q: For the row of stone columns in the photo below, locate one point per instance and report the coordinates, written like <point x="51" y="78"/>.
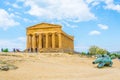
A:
<point x="36" y="41"/>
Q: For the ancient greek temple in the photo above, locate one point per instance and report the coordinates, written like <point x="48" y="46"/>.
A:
<point x="48" y="37"/>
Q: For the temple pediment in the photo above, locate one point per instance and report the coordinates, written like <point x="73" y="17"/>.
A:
<point x="44" y="25"/>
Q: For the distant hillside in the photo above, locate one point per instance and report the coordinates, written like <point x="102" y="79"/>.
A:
<point x="118" y="52"/>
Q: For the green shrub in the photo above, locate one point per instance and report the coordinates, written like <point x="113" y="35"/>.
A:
<point x="83" y="53"/>
<point x="118" y="56"/>
<point x="114" y="55"/>
<point x="5" y="50"/>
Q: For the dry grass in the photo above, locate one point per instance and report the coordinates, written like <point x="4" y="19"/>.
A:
<point x="56" y="66"/>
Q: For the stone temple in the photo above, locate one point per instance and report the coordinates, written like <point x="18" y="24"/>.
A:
<point x="45" y="37"/>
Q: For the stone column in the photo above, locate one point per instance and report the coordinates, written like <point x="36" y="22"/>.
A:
<point x="40" y="41"/>
<point x="30" y="41"/>
<point x="60" y="40"/>
<point x="28" y="45"/>
<point x="46" y="40"/>
<point x="53" y="40"/>
<point x="33" y="42"/>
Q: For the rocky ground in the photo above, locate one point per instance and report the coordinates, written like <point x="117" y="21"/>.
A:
<point x="54" y="66"/>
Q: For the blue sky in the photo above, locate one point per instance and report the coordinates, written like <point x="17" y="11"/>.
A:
<point x="91" y="22"/>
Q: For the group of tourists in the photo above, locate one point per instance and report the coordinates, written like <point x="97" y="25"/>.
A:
<point x="32" y="50"/>
<point x="6" y="50"/>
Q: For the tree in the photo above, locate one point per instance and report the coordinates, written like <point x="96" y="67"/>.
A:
<point x="93" y="50"/>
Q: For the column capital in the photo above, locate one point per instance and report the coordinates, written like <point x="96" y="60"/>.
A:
<point x="46" y="33"/>
<point x="28" y="34"/>
<point x="39" y="33"/>
<point x="33" y="34"/>
<point x="59" y="33"/>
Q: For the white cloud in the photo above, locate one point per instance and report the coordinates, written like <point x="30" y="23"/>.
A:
<point x="94" y="32"/>
<point x="93" y="2"/>
<point x="27" y="20"/>
<point x="110" y="5"/>
<point x="15" y="5"/>
<point x="102" y="26"/>
<point x="89" y="1"/>
<point x="18" y="43"/>
<point x="6" y="20"/>
<point x="10" y="9"/>
<point x="70" y="10"/>
<point x="64" y="23"/>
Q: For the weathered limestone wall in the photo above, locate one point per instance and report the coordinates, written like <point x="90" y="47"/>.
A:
<point x="67" y="43"/>
<point x="48" y="37"/>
